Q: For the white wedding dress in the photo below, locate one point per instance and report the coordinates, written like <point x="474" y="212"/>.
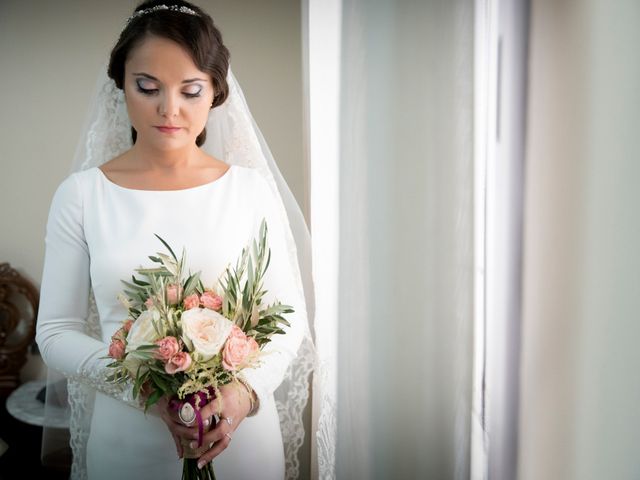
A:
<point x="97" y="234"/>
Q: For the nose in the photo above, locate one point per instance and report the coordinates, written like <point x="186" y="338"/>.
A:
<point x="169" y="105"/>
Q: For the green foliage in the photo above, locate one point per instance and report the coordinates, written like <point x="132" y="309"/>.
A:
<point x="242" y="291"/>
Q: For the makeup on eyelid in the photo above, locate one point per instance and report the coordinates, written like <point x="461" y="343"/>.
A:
<point x="150" y="91"/>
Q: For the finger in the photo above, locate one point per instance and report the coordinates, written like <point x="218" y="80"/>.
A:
<point x="210" y="410"/>
<point x="177" y="428"/>
<point x="216" y="434"/>
<point x="178" y="443"/>
<point x="185" y="432"/>
<point x="217" y="449"/>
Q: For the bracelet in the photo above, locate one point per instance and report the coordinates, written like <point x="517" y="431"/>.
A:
<point x="253" y="403"/>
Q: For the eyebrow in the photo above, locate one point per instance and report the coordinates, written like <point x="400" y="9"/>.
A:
<point x="151" y="77"/>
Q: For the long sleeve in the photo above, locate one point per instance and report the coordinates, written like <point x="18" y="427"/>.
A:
<point x="64" y="299"/>
<point x="283" y="284"/>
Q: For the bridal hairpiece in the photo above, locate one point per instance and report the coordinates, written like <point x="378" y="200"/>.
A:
<point x="173" y="8"/>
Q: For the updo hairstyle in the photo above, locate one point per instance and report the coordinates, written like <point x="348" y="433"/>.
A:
<point x="197" y="34"/>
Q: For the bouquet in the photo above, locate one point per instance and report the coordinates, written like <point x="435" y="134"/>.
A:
<point x="184" y="340"/>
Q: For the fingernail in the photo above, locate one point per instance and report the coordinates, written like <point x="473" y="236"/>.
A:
<point x="200" y="465"/>
<point x="193" y="444"/>
<point x="206" y="422"/>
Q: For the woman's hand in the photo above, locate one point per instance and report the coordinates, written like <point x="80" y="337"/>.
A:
<point x="236" y="405"/>
<point x="177" y="429"/>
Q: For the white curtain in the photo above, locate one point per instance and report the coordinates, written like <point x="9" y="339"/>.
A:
<point x="405" y="277"/>
<point x="580" y="392"/>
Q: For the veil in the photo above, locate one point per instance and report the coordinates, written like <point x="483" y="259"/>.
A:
<point x="234" y="137"/>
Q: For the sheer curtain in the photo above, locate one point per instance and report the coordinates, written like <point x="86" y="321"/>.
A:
<point x="580" y="391"/>
<point x="404" y="278"/>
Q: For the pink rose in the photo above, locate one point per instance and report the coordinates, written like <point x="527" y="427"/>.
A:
<point x="178" y="363"/>
<point x="167" y="348"/>
<point x="173" y="293"/>
<point x="238" y="349"/>
<point x="127" y="325"/>
<point x="192" y="301"/>
<point x="116" y="349"/>
<point x="119" y="335"/>
<point x="211" y="301"/>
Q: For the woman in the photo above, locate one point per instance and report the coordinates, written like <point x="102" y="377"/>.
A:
<point x="173" y="70"/>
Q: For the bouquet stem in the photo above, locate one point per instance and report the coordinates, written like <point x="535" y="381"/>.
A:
<point x="189" y="412"/>
<point x="190" y="470"/>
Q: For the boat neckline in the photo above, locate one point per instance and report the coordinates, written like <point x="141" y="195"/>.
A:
<point x="188" y="189"/>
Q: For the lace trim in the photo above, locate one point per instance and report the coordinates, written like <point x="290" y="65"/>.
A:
<point x="106" y="143"/>
<point x="291" y="406"/>
<point x="81" y="400"/>
<point x="327" y="430"/>
<point x="94" y="376"/>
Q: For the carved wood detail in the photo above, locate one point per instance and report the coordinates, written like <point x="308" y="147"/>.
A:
<point x="19" y="300"/>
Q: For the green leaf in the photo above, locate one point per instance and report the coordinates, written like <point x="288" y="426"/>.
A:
<point x="160" y="271"/>
<point x="134" y="287"/>
<point x="139" y="282"/>
<point x="191" y="284"/>
<point x="160" y="381"/>
<point x="168" y="247"/>
<point x="171" y="265"/>
<point x="153" y="398"/>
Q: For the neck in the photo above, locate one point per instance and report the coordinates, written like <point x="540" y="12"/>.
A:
<point x="149" y="158"/>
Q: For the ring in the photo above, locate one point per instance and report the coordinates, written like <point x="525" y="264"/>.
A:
<point x="229" y="420"/>
<point x="228" y="435"/>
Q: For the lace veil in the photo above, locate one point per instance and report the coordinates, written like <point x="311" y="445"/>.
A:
<point x="234" y="137"/>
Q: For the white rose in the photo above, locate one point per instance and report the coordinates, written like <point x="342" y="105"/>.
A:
<point x="142" y="331"/>
<point x="205" y="330"/>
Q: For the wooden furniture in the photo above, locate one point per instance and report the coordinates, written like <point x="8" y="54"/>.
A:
<point x="20" y="410"/>
<point x="18" y="314"/>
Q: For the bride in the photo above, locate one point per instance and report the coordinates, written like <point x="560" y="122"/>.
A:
<point x="185" y="162"/>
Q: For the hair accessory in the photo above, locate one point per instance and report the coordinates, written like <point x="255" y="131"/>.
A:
<point x="173" y="8"/>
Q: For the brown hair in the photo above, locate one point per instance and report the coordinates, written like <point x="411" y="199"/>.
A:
<point x="197" y="34"/>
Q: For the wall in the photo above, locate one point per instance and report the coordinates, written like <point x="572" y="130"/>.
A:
<point x="579" y="418"/>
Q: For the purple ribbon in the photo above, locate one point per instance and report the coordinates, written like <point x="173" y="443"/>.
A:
<point x="196" y="400"/>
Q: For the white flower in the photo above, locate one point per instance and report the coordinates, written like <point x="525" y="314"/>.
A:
<point x="205" y="330"/>
<point x="142" y="331"/>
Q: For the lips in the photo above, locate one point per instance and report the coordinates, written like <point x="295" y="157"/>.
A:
<point x="168" y="129"/>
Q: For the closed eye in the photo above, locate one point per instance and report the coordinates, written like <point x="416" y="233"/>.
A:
<point x="193" y="93"/>
<point x="146" y="91"/>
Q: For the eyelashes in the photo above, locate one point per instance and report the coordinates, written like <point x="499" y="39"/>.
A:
<point x="153" y="91"/>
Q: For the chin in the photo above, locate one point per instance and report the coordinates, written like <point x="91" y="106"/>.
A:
<point x="168" y="144"/>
